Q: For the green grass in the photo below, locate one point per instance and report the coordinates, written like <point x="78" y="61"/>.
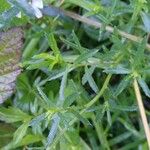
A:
<point x="75" y="91"/>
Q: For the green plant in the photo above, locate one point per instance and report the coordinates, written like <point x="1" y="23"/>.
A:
<point x="79" y="83"/>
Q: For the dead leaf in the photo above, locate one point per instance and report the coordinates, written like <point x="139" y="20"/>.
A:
<point x="11" y="44"/>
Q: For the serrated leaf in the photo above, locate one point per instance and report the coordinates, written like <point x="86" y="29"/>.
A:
<point x="146" y="21"/>
<point x="60" y="103"/>
<point x="84" y="56"/>
<point x="70" y="99"/>
<point x="29" y="139"/>
<point x="70" y="44"/>
<point x="76" y="40"/>
<point x="88" y="5"/>
<point x="129" y="127"/>
<point x="12" y="114"/>
<point x="24" y="6"/>
<point x="10" y="51"/>
<point x="53" y="130"/>
<point x="120" y="138"/>
<point x="37" y="119"/>
<point x="62" y="88"/>
<point x="52" y="43"/>
<point x="91" y="80"/>
<point x="84" y="78"/>
<point x="122" y="85"/>
<point x="81" y="118"/>
<point x="144" y="87"/>
<point x="117" y="70"/>
<point x="44" y="97"/>
<point x="20" y="133"/>
<point x="58" y="73"/>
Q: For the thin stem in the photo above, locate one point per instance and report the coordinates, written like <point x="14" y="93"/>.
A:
<point x="96" y="24"/>
<point x="142" y="111"/>
<point x="56" y="11"/>
<point x="99" y="25"/>
<point x="101" y="134"/>
<point x="93" y="101"/>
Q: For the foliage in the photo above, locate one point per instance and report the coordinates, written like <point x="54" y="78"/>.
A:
<point x="75" y="91"/>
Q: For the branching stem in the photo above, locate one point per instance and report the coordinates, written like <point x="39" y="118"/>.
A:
<point x="99" y="25"/>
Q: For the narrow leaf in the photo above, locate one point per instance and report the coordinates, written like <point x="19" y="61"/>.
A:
<point x="37" y="119"/>
<point x="12" y="114"/>
<point x="91" y="80"/>
<point x="76" y="40"/>
<point x="146" y="21"/>
<point x="30" y="139"/>
<point x="24" y="6"/>
<point x="84" y="56"/>
<point x="52" y="43"/>
<point x="53" y="130"/>
<point x="62" y="89"/>
<point x="117" y="70"/>
<point x="144" y="87"/>
<point x="20" y="132"/>
<point x="81" y="118"/>
<point x="84" y="78"/>
<point x="122" y="85"/>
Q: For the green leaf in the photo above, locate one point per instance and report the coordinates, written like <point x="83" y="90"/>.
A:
<point x="120" y="138"/>
<point x="60" y="102"/>
<point x="20" y="133"/>
<point x="70" y="44"/>
<point x="122" y="85"/>
<point x="4" y="6"/>
<point x="6" y="133"/>
<point x="37" y="119"/>
<point x="10" y="51"/>
<point x="81" y="118"/>
<point x="84" y="56"/>
<point x="109" y="118"/>
<point x="62" y="89"/>
<point x="30" y="139"/>
<point x="129" y="127"/>
<point x="44" y="97"/>
<point x="146" y="21"/>
<point x="7" y="16"/>
<point x="24" y="6"/>
<point x="84" y="78"/>
<point x="53" y="130"/>
<point x="90" y="80"/>
<point x="144" y="86"/>
<point x="52" y="43"/>
<point x="12" y="114"/>
<point x="88" y="5"/>
<point x="58" y="73"/>
<point x="70" y="99"/>
<point x="117" y="70"/>
<point x="76" y="40"/>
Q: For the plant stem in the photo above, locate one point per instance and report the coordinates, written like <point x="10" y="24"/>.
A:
<point x="83" y="19"/>
<point x="142" y="111"/>
<point x="93" y="101"/>
<point x="101" y="134"/>
<point x="107" y="28"/>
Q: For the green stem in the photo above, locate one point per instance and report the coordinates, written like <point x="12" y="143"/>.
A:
<point x="88" y="105"/>
<point x="101" y="134"/>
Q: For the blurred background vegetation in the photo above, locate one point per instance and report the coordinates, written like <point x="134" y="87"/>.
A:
<point x="76" y="91"/>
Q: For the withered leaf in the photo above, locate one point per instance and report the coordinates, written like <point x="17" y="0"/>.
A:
<point x="10" y="51"/>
